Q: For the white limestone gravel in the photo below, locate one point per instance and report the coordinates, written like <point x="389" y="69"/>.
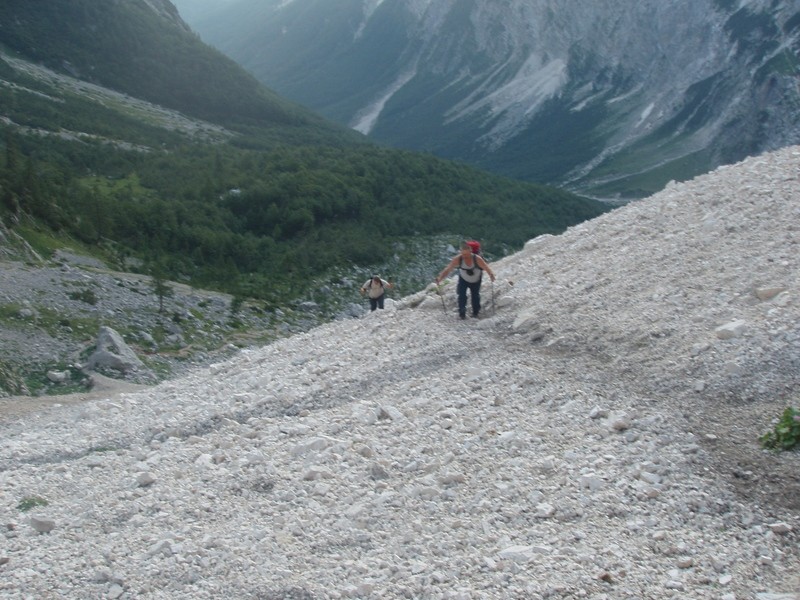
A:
<point x="593" y="435"/>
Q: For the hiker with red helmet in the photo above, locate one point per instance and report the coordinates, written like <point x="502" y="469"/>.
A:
<point x="471" y="266"/>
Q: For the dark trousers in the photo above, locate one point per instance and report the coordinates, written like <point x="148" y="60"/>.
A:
<point x="474" y="293"/>
<point x="376" y="302"/>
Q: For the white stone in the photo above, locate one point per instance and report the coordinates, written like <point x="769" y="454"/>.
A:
<point x="58" y="376"/>
<point x="598" y="413"/>
<point x="145" y="479"/>
<point x="768" y="293"/>
<point x="731" y="330"/>
<point x="315" y="473"/>
<point x="521" y="554"/>
<point x="313" y="445"/>
<point x="591" y="482"/>
<point x="42" y="525"/>
<point x="390" y="412"/>
<point x="780" y="527"/>
<point x="545" y="511"/>
<point x="652" y="478"/>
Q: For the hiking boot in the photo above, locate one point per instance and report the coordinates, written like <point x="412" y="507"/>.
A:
<point x="462" y="315"/>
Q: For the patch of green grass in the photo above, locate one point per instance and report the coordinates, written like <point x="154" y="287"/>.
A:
<point x="786" y="433"/>
<point x="30" y="503"/>
<point x="42" y="242"/>
<point x="37" y="382"/>
<point x="9" y="311"/>
<point x="11" y="381"/>
<point x="46" y="243"/>
<point x="159" y="365"/>
<point x="85" y="295"/>
<point x="51" y="321"/>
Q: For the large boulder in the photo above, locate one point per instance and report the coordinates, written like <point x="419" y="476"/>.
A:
<point x="112" y="353"/>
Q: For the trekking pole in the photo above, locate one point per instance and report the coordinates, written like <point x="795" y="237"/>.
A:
<point x="439" y="291"/>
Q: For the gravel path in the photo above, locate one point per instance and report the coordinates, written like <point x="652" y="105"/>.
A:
<point x="102" y="388"/>
<point x="594" y="435"/>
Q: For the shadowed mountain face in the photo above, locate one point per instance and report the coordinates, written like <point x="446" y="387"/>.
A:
<point x="608" y="98"/>
<point x="144" y="49"/>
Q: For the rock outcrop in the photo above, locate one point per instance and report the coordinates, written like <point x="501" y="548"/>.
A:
<point x="112" y="353"/>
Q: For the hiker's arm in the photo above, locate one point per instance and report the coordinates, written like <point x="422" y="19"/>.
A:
<point x="485" y="266"/>
<point x="446" y="271"/>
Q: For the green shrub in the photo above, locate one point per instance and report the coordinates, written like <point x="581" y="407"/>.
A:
<point x="786" y="434"/>
<point x="31" y="502"/>
<point x="87" y="296"/>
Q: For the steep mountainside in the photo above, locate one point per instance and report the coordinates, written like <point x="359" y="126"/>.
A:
<point x="611" y="97"/>
<point x="144" y="49"/>
<point x="193" y="10"/>
<point x="594" y="435"/>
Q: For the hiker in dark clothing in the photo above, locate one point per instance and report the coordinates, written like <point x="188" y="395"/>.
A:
<point x="375" y="289"/>
<point x="470" y="270"/>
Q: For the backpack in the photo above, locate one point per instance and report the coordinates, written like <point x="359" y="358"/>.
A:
<point x="476" y="246"/>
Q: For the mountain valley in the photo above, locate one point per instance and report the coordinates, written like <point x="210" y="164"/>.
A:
<point x="612" y="100"/>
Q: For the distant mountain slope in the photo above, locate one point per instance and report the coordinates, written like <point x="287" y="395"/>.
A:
<point x="143" y="48"/>
<point x="192" y="10"/>
<point x="612" y="98"/>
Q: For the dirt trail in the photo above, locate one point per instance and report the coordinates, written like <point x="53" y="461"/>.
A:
<point x="103" y="387"/>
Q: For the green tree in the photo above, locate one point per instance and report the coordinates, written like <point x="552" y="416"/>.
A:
<point x="160" y="287"/>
